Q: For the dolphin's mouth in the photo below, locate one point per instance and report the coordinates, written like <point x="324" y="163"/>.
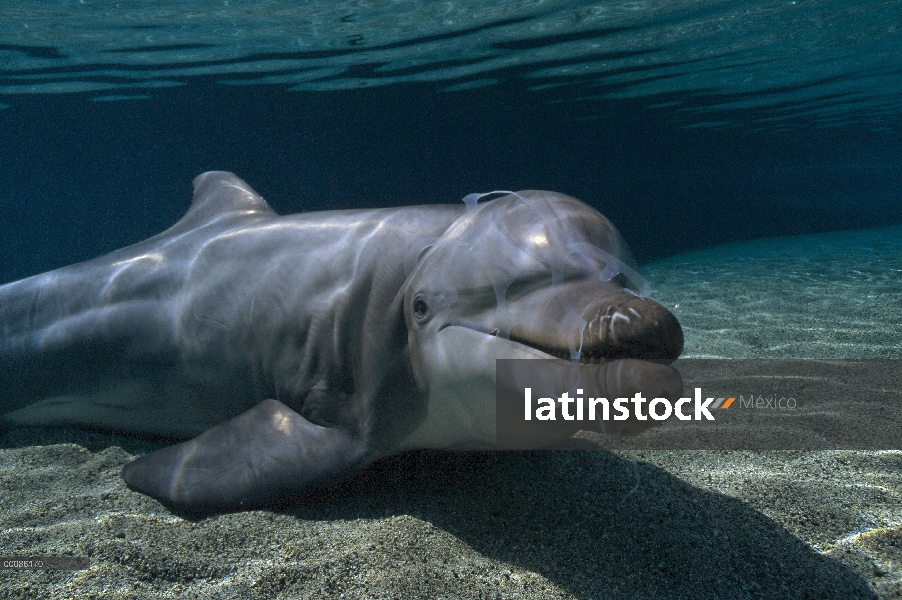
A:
<point x="587" y="357"/>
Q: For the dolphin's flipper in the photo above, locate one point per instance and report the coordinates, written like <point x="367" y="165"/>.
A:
<point x="257" y="457"/>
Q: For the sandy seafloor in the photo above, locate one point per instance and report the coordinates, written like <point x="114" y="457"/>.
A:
<point x="545" y="524"/>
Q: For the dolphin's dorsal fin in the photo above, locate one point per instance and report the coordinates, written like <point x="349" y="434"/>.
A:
<point x="218" y="193"/>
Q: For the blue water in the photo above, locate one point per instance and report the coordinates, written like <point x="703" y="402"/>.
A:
<point x="689" y="124"/>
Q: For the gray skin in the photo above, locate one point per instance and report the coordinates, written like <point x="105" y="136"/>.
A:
<point x="295" y="349"/>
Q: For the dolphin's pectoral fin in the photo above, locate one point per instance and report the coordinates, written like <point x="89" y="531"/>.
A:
<point x="259" y="456"/>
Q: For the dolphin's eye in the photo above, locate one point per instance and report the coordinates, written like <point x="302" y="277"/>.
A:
<point x="420" y="308"/>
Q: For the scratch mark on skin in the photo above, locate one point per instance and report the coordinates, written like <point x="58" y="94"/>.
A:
<point x="33" y="309"/>
<point x="207" y="320"/>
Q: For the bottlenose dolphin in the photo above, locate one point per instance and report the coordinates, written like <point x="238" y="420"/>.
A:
<point x="295" y="349"/>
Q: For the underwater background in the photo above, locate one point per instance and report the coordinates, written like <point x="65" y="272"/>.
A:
<point x="748" y="151"/>
<point x="688" y="124"/>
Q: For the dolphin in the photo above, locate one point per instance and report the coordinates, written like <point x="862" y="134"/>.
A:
<point x="289" y="351"/>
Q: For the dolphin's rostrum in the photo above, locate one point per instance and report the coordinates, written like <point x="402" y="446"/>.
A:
<point x="294" y="349"/>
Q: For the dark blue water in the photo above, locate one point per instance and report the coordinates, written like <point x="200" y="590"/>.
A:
<point x="689" y="124"/>
<point x="688" y="127"/>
